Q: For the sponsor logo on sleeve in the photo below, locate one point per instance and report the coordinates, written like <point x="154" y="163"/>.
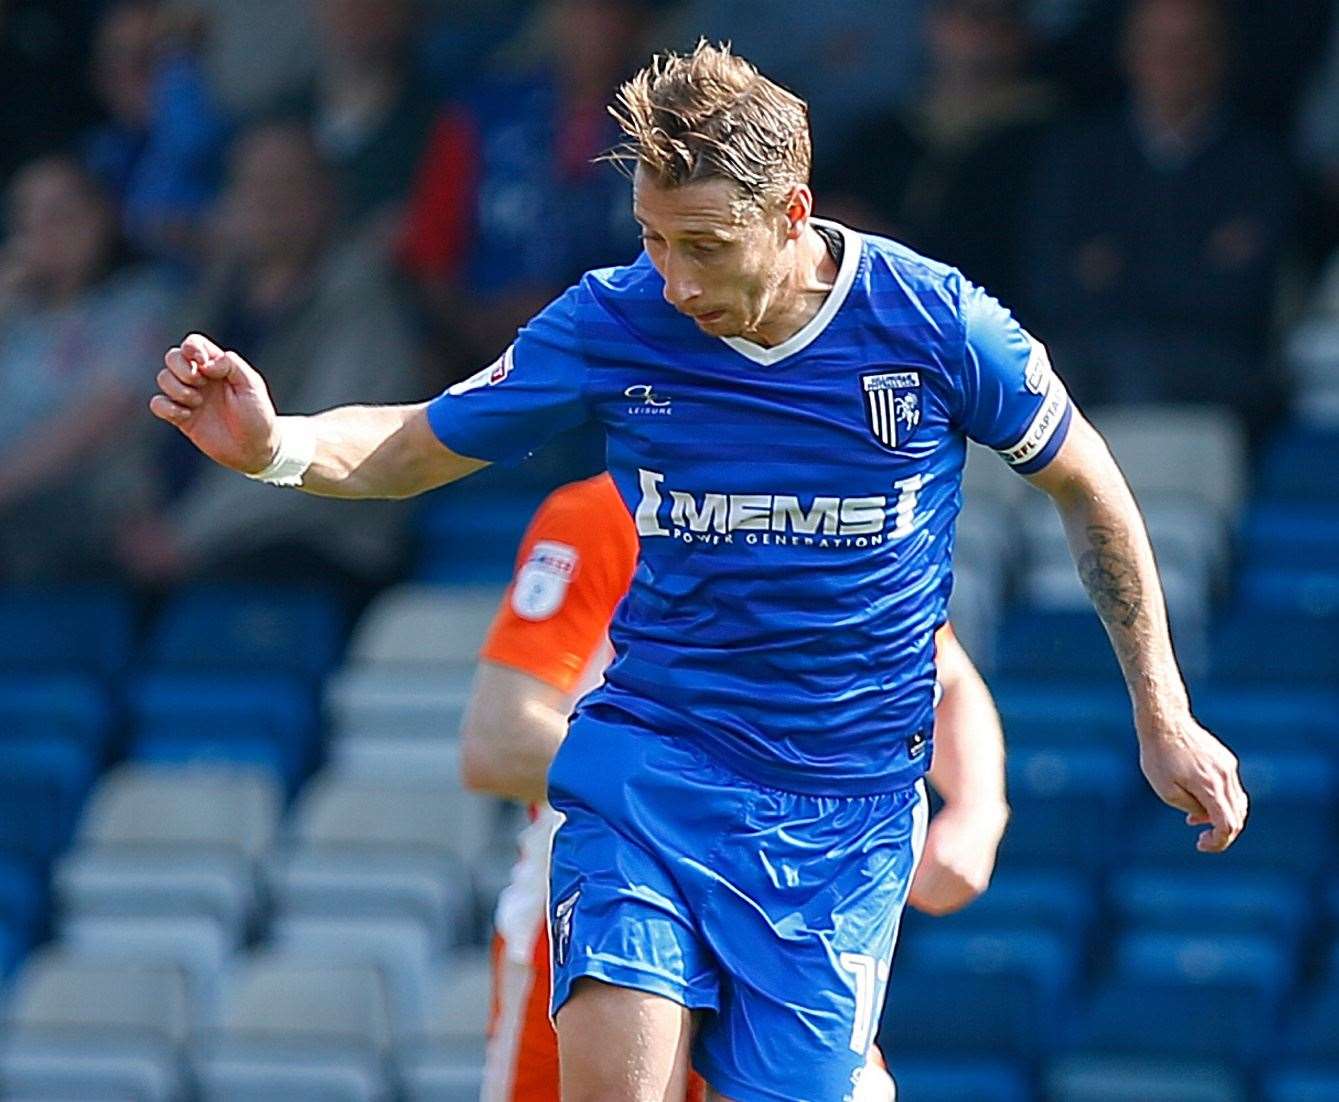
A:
<point x="491" y="375"/>
<point x="541" y="583"/>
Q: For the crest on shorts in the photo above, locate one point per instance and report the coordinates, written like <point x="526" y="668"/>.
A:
<point x="892" y="406"/>
<point x="561" y="935"/>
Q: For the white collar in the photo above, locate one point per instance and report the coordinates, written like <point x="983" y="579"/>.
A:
<point x="813" y="328"/>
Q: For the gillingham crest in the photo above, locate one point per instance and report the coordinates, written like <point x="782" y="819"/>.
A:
<point x="892" y="406"/>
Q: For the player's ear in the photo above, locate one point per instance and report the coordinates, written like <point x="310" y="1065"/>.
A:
<point x="799" y="208"/>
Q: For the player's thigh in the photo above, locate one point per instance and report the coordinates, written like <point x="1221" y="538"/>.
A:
<point x="805" y="953"/>
<point x="616" y="1044"/>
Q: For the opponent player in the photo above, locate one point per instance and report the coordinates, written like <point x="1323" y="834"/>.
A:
<point x="786" y="403"/>
<point x="547" y="647"/>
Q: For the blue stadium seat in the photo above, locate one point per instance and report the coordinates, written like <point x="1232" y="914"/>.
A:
<point x="1330" y="904"/>
<point x="88" y="629"/>
<point x="1300" y="534"/>
<point x="1302" y="1083"/>
<point x="43" y="783"/>
<point x="1054" y="645"/>
<point x="1290" y="590"/>
<point x="22" y="900"/>
<point x="469" y="539"/>
<point x="921" y="1080"/>
<point x="1211" y="901"/>
<point x="1055" y="902"/>
<point x="1068" y="805"/>
<point x="999" y="994"/>
<point x="1252" y="647"/>
<point x="1291" y="824"/>
<point x="1063" y="715"/>
<point x="1299" y="466"/>
<point x="12" y="947"/>
<point x="1269" y="718"/>
<point x="1182" y="997"/>
<point x="242" y="628"/>
<point x="1312" y="1030"/>
<point x="1104" y="1078"/>
<point x="250" y="718"/>
<point x="74" y="707"/>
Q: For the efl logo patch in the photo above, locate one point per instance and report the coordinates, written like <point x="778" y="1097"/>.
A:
<point x="892" y="406"/>
<point x="1037" y="375"/>
<point x="561" y="934"/>
<point x="541" y="584"/>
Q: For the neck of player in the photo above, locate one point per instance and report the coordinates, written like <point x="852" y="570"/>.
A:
<point x="804" y="284"/>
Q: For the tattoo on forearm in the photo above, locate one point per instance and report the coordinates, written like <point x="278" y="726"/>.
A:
<point x="1111" y="576"/>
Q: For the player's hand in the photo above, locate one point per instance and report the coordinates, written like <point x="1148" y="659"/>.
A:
<point x="219" y="402"/>
<point x="1195" y="773"/>
<point x="959" y="857"/>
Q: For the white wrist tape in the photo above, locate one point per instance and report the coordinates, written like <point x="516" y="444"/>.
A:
<point x="296" y="450"/>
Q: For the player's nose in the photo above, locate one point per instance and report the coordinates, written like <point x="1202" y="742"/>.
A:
<point x="679" y="290"/>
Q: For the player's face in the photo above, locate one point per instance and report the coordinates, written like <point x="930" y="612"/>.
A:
<point x="724" y="261"/>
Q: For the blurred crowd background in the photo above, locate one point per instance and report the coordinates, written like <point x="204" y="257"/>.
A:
<point x="366" y="197"/>
<point x="236" y="859"/>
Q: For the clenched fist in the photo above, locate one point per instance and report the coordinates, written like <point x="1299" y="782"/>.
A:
<point x="219" y="402"/>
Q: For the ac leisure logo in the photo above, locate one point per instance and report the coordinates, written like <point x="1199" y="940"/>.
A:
<point x="778" y="520"/>
<point x="648" y="402"/>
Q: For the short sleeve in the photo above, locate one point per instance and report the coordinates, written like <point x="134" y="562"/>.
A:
<point x="1012" y="399"/>
<point x="534" y="391"/>
<point x="573" y="568"/>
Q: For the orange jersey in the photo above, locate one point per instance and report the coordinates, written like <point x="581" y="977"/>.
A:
<point x="574" y="566"/>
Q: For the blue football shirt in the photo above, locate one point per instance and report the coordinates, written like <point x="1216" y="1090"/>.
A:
<point x="795" y="504"/>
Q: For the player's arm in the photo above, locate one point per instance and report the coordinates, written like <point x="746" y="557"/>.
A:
<point x="1186" y="766"/>
<point x="968" y="774"/>
<point x="573" y="567"/>
<point x="512" y="729"/>
<point x="223" y="407"/>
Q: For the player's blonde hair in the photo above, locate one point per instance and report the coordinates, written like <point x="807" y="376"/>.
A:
<point x="711" y="115"/>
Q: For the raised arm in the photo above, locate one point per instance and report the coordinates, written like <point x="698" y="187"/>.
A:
<point x="1186" y="766"/>
<point x="223" y="407"/>
<point x="968" y="774"/>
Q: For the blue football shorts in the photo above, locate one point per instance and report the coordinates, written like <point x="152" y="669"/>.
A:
<point x="774" y="913"/>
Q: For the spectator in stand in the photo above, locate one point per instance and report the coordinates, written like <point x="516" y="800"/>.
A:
<point x="78" y="320"/>
<point x="510" y="205"/>
<point x="367" y="107"/>
<point x="845" y="60"/>
<point x="917" y="173"/>
<point x="1318" y="136"/>
<point x="321" y="315"/>
<point x="256" y="54"/>
<point x="159" y="151"/>
<point x="1155" y="235"/>
<point x="1313" y="351"/>
<point x="43" y="103"/>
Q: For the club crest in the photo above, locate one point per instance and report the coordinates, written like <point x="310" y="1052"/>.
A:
<point x="892" y="406"/>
